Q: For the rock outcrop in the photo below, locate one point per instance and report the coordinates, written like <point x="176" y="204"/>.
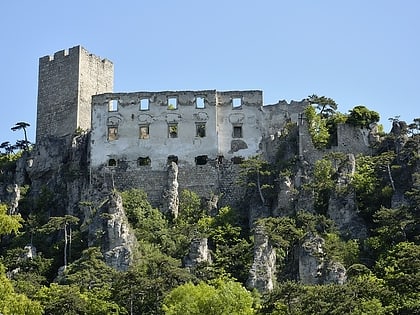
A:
<point x="314" y="266"/>
<point x="198" y="253"/>
<point x="109" y="229"/>
<point x="171" y="194"/>
<point x="262" y="273"/>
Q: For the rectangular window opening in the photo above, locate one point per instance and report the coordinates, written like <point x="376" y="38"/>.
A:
<point x="201" y="160"/>
<point x="143" y="161"/>
<point x="199" y="102"/>
<point x="173" y="130"/>
<point x="112" y="133"/>
<point x="144" y="104"/>
<point x="236" y="102"/>
<point x="144" y="132"/>
<point x="113" y="106"/>
<point x="237" y="131"/>
<point x="200" y="130"/>
<point x="172" y="103"/>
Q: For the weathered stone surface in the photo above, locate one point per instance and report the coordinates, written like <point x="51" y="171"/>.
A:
<point x="198" y="253"/>
<point x="342" y="206"/>
<point x="109" y="228"/>
<point x="285" y="197"/>
<point x="311" y="259"/>
<point x="262" y="273"/>
<point x="314" y="266"/>
<point x="171" y="194"/>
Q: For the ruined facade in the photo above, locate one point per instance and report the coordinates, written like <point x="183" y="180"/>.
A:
<point x="135" y="136"/>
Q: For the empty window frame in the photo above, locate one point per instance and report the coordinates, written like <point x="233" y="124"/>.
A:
<point x="113" y="106"/>
<point x="237" y="132"/>
<point x="112" y="162"/>
<point x="173" y="130"/>
<point x="144" y="132"/>
<point x="172" y="158"/>
<point x="199" y="102"/>
<point x="201" y="160"/>
<point x="112" y="133"/>
<point x="172" y="102"/>
<point x="200" y="129"/>
<point x="236" y="102"/>
<point x="144" y="104"/>
<point x="143" y="161"/>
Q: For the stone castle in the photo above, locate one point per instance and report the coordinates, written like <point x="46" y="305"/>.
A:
<point x="135" y="138"/>
<point x="91" y="141"/>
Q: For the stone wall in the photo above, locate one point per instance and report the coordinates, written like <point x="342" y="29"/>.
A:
<point x="66" y="82"/>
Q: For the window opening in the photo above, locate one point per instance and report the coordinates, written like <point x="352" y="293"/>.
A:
<point x="113" y="106"/>
<point x="172" y="158"/>
<point x="237" y="160"/>
<point x="172" y="103"/>
<point x="173" y="130"/>
<point x="237" y="131"/>
<point x="112" y="133"/>
<point x="236" y="102"/>
<point x="144" y="132"/>
<point x="143" y="161"/>
<point x="112" y="162"/>
<point x="199" y="102"/>
<point x="144" y="104"/>
<point x="200" y="129"/>
<point x="201" y="160"/>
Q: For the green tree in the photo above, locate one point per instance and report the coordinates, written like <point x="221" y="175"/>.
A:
<point x="22" y="125"/>
<point x="256" y="172"/>
<point x="62" y="223"/>
<point x="69" y="300"/>
<point x="326" y="106"/>
<point x="362" y="117"/>
<point x="9" y="223"/>
<point x="317" y="127"/>
<point x="12" y="303"/>
<point x="89" y="271"/>
<point x="219" y="297"/>
<point x="142" y="288"/>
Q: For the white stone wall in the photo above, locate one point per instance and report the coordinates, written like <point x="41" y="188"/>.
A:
<point x="222" y="112"/>
<point x="128" y="118"/>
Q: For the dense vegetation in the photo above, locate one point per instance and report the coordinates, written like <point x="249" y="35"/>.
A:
<point x="383" y="269"/>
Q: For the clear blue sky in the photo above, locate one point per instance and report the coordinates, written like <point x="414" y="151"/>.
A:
<point x="358" y="52"/>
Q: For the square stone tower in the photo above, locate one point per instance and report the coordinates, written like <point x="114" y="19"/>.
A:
<point x="66" y="83"/>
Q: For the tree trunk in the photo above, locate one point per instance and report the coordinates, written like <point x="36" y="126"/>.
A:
<point x="65" y="246"/>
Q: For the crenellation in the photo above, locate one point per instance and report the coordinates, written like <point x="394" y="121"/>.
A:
<point x="134" y="135"/>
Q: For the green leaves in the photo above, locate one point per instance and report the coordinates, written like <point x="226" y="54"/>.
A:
<point x="9" y="223"/>
<point x="219" y="297"/>
<point x="362" y="117"/>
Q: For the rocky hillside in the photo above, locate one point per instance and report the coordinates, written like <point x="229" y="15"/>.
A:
<point x="322" y="228"/>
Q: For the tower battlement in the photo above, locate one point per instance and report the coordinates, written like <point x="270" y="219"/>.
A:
<point x="66" y="82"/>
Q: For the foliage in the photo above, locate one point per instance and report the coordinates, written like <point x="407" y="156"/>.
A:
<point x="62" y="223"/>
<point x="317" y="128"/>
<point x="89" y="271"/>
<point x="340" y="250"/>
<point x="232" y="249"/>
<point x="326" y="106"/>
<point x="256" y="172"/>
<point x="282" y="233"/>
<point x="9" y="223"/>
<point x="371" y="182"/>
<point x="12" y="303"/>
<point x="143" y="287"/>
<point x="362" y="117"/>
<point x="224" y="297"/>
<point x="65" y="299"/>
